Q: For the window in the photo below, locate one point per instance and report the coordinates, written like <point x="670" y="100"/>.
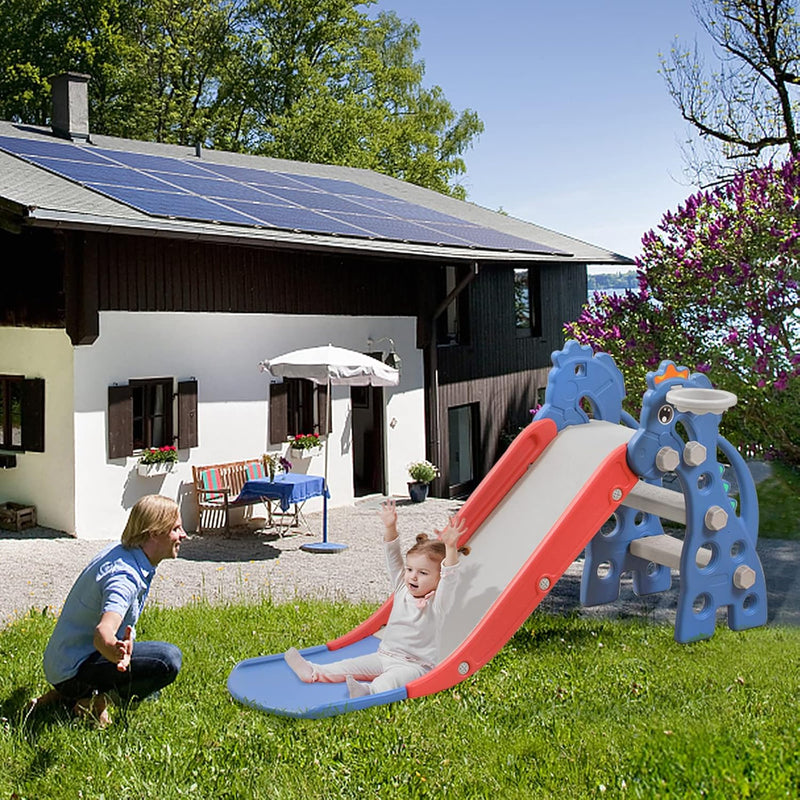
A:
<point x="453" y="323"/>
<point x="21" y="413"/>
<point x="141" y="414"/>
<point x="11" y="412"/>
<point x="152" y="413"/>
<point x="297" y="406"/>
<point x="527" y="302"/>
<point x="300" y="417"/>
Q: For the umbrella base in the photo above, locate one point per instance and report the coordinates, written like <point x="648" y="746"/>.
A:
<point x="323" y="547"/>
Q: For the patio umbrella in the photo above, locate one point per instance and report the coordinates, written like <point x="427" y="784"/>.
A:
<point x="331" y="366"/>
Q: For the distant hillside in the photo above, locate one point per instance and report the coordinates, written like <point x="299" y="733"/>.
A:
<point x="617" y="281"/>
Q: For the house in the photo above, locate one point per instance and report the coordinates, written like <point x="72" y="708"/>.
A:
<point x="143" y="284"/>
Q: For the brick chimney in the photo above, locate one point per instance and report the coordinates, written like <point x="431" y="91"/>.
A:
<point x="71" y="106"/>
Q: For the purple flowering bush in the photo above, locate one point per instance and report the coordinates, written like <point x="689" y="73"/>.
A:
<point x="719" y="292"/>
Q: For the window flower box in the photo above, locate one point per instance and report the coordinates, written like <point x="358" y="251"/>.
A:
<point x="308" y="452"/>
<point x="157" y="461"/>
<point x="151" y="470"/>
<point x="305" y="445"/>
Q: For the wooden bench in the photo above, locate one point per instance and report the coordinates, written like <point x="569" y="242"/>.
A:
<point x="217" y="486"/>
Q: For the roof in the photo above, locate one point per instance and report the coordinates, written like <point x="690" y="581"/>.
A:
<point x="43" y="198"/>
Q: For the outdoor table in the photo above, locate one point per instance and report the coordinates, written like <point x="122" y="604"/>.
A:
<point x="289" y="488"/>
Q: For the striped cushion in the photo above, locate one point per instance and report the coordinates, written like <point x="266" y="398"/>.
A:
<point x="255" y="469"/>
<point x="211" y="479"/>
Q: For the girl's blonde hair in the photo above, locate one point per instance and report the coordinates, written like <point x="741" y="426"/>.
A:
<point x="433" y="549"/>
<point x="153" y="515"/>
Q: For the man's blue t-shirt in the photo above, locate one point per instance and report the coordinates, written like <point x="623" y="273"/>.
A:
<point x="117" y="579"/>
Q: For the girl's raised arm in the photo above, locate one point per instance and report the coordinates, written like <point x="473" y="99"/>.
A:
<point x="452" y="532"/>
<point x="388" y="514"/>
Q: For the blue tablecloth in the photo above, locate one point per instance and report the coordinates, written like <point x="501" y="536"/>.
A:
<point x="288" y="488"/>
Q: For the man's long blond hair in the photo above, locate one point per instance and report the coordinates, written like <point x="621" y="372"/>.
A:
<point x="152" y="515"/>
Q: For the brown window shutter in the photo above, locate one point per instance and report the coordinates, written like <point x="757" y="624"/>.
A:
<point x="33" y="415"/>
<point x="120" y="422"/>
<point x="187" y="414"/>
<point x="323" y="413"/>
<point x="278" y="412"/>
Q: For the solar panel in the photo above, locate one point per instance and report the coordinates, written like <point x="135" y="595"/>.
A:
<point x="152" y="163"/>
<point x="201" y="190"/>
<point x="220" y="187"/>
<point x="298" y="219"/>
<point x="406" y="210"/>
<point x="100" y="174"/>
<point x="402" y="230"/>
<point x="257" y="177"/>
<point x="337" y="186"/>
<point x="36" y="147"/>
<point x="177" y="205"/>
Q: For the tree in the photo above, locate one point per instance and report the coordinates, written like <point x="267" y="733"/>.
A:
<point x="334" y="86"/>
<point x="313" y="80"/>
<point x="745" y="108"/>
<point x="719" y="292"/>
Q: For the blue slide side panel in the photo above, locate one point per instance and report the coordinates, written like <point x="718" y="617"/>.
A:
<point x="267" y="683"/>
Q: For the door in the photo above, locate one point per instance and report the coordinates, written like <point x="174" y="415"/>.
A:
<point x="462" y="425"/>
<point x="367" y="404"/>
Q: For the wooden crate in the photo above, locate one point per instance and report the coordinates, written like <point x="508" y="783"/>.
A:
<point x="15" y="517"/>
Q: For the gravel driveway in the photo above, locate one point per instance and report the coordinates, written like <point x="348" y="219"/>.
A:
<point x="39" y="567"/>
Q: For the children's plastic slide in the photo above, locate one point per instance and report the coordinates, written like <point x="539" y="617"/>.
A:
<point x="527" y="521"/>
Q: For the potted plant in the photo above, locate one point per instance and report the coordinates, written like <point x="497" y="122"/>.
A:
<point x="157" y="460"/>
<point x="304" y="445"/>
<point x="421" y="474"/>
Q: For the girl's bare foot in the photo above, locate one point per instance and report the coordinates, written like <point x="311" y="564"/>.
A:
<point x="94" y="709"/>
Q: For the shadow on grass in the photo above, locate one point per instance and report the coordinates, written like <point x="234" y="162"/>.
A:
<point x="540" y="633"/>
<point x="16" y="709"/>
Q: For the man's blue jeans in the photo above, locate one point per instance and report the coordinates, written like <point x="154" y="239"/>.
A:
<point x="153" y="666"/>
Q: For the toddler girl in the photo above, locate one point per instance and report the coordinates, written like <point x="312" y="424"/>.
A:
<point x="424" y="590"/>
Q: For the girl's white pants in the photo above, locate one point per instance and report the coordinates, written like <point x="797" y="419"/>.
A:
<point x="385" y="671"/>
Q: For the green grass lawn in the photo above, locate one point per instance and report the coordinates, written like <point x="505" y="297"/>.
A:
<point x="568" y="709"/>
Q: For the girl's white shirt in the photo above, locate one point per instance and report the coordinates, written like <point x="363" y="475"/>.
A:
<point x="414" y="633"/>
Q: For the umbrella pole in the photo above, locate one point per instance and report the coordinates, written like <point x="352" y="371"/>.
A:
<point x="325" y="479"/>
<point x="324" y="546"/>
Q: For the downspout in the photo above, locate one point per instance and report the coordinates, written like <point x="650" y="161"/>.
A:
<point x="434" y="427"/>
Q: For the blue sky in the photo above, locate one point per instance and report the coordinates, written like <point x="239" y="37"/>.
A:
<point x="581" y="135"/>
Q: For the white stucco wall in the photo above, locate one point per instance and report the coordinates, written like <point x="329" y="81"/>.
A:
<point x="222" y="352"/>
<point x="46" y="480"/>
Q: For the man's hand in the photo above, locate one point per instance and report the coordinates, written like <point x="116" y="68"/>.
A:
<point x="124" y="648"/>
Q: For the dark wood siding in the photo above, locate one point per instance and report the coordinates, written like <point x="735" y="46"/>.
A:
<point x="141" y="274"/>
<point x="500" y="371"/>
<point x="504" y="403"/>
<point x="32" y="279"/>
<point x="494" y="347"/>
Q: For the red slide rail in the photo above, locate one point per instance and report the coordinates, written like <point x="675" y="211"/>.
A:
<point x="584" y="516"/>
